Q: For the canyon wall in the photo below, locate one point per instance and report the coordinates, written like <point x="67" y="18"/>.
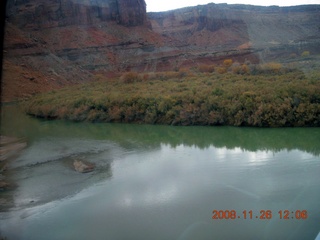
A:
<point x="56" y="13"/>
<point x="70" y="41"/>
<point x="222" y="27"/>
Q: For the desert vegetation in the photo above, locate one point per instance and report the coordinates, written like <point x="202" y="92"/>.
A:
<point x="266" y="95"/>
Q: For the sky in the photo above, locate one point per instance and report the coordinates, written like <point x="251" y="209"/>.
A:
<point x="164" y="5"/>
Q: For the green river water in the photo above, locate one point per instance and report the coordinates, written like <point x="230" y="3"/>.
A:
<point x="160" y="182"/>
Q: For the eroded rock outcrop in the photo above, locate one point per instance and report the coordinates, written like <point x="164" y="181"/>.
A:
<point x="43" y="14"/>
<point x="132" y="12"/>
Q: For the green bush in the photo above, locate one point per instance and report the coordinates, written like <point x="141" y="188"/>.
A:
<point x="276" y="100"/>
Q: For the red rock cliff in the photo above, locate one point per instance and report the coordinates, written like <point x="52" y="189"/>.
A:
<point x="132" y="12"/>
<point x="54" y="13"/>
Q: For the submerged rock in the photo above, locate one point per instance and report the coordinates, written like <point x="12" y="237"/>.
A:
<point x="4" y="185"/>
<point x="81" y="167"/>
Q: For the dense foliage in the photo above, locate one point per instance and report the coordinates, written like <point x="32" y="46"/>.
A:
<point x="283" y="98"/>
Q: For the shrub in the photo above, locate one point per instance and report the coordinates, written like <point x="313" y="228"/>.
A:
<point x="183" y="72"/>
<point x="221" y="70"/>
<point x="99" y="77"/>
<point x="269" y="68"/>
<point x="241" y="69"/>
<point x="145" y="77"/>
<point x="245" y="69"/>
<point x="206" y="68"/>
<point x="168" y="75"/>
<point x="130" y="77"/>
<point x="217" y="92"/>
<point x="279" y="100"/>
<point x="115" y="114"/>
<point x="305" y="54"/>
<point x="227" y="63"/>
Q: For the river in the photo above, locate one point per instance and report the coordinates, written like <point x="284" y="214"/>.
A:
<point x="160" y="182"/>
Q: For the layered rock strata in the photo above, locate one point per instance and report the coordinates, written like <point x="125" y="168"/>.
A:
<point x="53" y="43"/>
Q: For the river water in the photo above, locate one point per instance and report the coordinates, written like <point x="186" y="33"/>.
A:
<point x="160" y="182"/>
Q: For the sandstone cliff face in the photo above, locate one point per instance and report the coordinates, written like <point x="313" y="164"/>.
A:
<point x="217" y="30"/>
<point x="214" y="24"/>
<point x="132" y="12"/>
<point x="62" y="41"/>
<point x="56" y="13"/>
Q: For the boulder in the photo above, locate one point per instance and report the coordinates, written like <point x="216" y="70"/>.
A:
<point x="81" y="167"/>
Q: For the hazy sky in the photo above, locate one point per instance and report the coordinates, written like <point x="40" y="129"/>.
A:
<point x="163" y="5"/>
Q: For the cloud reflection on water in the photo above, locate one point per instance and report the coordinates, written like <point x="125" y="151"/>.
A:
<point x="170" y="189"/>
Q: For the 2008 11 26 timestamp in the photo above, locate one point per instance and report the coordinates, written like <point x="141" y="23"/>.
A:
<point x="260" y="214"/>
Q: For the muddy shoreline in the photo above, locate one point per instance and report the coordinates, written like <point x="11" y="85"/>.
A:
<point x="10" y="148"/>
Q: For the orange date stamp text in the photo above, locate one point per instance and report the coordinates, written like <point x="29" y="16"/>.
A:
<point x="260" y="214"/>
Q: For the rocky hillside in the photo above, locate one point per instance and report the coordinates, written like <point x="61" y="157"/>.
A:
<point x="51" y="43"/>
